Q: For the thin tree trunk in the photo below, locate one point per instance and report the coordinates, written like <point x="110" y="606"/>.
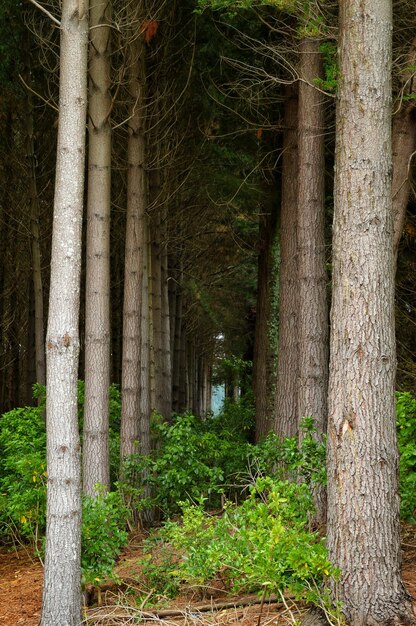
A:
<point x="136" y="242"/>
<point x="177" y="367"/>
<point x="166" y="382"/>
<point x="145" y="403"/>
<point x="363" y="504"/>
<point x="286" y="414"/>
<point x="261" y="381"/>
<point x="156" y="282"/>
<point x="403" y="150"/>
<point x="62" y="577"/>
<point x="40" y="358"/>
<point x="95" y="454"/>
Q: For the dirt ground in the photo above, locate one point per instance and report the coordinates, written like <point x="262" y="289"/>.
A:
<point x="21" y="591"/>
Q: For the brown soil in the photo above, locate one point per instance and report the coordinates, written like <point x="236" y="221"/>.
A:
<point x="21" y="591"/>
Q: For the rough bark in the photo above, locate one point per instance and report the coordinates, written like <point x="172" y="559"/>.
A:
<point x="286" y="415"/>
<point x="313" y="314"/>
<point x="363" y="505"/>
<point x="135" y="248"/>
<point x="95" y="454"/>
<point x="62" y="578"/>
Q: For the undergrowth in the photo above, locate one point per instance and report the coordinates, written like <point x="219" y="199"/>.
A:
<point x="259" y="538"/>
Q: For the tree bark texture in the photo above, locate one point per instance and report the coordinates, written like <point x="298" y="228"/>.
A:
<point x="313" y="311"/>
<point x="95" y="454"/>
<point x="363" y="504"/>
<point x="403" y="148"/>
<point x="136" y="242"/>
<point x="286" y="414"/>
<point x="62" y="578"/>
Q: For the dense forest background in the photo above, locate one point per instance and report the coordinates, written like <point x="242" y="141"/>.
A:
<point x="214" y="157"/>
<point x="208" y="258"/>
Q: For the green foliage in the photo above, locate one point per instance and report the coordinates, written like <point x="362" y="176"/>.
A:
<point x="281" y="458"/>
<point x="234" y="5"/>
<point x="406" y="434"/>
<point x="329" y="54"/>
<point x="23" y="472"/>
<point x="194" y="458"/>
<point x="262" y="544"/>
<point x="104" y="522"/>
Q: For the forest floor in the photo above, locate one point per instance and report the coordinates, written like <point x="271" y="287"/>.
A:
<point x="128" y="603"/>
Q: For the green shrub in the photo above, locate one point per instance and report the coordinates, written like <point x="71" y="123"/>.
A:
<point x="263" y="543"/>
<point x="288" y="458"/>
<point x="104" y="523"/>
<point x="23" y="473"/>
<point x="406" y="435"/>
<point x="23" y="482"/>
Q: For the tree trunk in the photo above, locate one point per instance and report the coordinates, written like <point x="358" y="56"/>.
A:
<point x="261" y="386"/>
<point x="145" y="404"/>
<point x="95" y="453"/>
<point x="363" y="504"/>
<point x="403" y="149"/>
<point x="62" y="578"/>
<point x="135" y="249"/>
<point x="313" y="314"/>
<point x="286" y="414"/>
<point x="36" y="253"/>
<point x="166" y="382"/>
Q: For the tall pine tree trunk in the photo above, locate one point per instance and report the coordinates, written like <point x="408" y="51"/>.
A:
<point x="313" y="315"/>
<point x="363" y="504"/>
<point x="403" y="149"/>
<point x="62" y="577"/>
<point x="136" y="242"/>
<point x="286" y="414"/>
<point x="95" y="454"/>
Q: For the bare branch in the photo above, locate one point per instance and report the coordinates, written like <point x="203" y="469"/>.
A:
<point x="42" y="8"/>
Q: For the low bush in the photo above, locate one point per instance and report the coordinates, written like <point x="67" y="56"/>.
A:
<point x="104" y="523"/>
<point x="406" y="435"/>
<point x="23" y="488"/>
<point x="262" y="544"/>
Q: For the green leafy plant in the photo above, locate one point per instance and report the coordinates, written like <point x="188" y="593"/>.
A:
<point x="262" y="543"/>
<point x="282" y="458"/>
<point x="104" y="523"/>
<point x="23" y="473"/>
<point x="406" y="435"/>
<point x="331" y="70"/>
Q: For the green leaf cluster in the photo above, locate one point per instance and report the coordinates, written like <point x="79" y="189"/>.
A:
<point x="406" y="435"/>
<point x="104" y="534"/>
<point x="23" y="473"/>
<point x="193" y="458"/>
